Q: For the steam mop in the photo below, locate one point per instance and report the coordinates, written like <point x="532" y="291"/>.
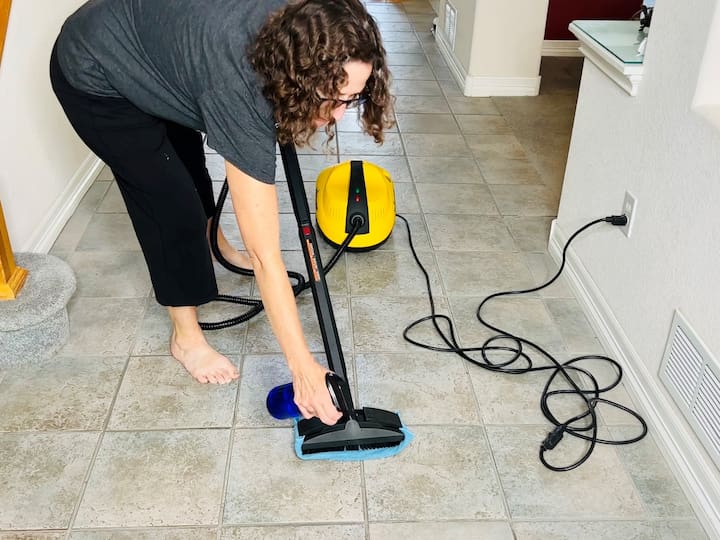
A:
<point x="363" y="433"/>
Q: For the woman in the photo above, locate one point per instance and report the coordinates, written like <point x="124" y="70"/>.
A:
<point x="140" y="79"/>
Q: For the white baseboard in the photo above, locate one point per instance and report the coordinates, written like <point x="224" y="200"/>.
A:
<point x="561" y="47"/>
<point x="692" y="467"/>
<point x="50" y="228"/>
<point x="485" y="86"/>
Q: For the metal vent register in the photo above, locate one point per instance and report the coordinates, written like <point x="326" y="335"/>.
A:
<point x="692" y="376"/>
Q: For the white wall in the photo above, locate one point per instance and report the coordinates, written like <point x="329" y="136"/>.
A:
<point x="44" y="167"/>
<point x="668" y="157"/>
<point x="498" y="46"/>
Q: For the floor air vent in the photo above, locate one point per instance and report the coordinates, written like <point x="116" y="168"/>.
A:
<point x="692" y="376"/>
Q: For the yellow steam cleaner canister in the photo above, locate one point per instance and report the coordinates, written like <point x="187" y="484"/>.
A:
<point x="355" y="194"/>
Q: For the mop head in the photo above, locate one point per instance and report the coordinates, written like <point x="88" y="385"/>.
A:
<point x="355" y="454"/>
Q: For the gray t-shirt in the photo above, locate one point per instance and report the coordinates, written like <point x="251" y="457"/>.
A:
<point x="182" y="60"/>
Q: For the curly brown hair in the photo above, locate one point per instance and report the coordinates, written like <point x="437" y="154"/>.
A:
<point x="300" y="54"/>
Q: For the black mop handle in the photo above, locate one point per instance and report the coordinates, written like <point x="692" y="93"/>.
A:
<point x="321" y="296"/>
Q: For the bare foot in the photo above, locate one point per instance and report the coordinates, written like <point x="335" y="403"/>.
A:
<point x="232" y="255"/>
<point x="238" y="258"/>
<point x="203" y="362"/>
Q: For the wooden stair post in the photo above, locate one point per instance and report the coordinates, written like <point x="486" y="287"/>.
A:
<point x="12" y="277"/>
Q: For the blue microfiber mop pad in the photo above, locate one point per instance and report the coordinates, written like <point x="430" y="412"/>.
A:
<point x="352" y="455"/>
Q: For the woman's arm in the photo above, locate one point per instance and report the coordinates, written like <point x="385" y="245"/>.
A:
<point x="256" y="210"/>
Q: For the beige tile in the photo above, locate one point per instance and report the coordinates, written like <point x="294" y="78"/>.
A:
<point x="530" y="233"/>
<point x="527" y="317"/>
<point x="485" y="530"/>
<point x="360" y="143"/>
<point x="440" y="170"/>
<point x="102" y="326"/>
<point x="468" y="273"/>
<point x="406" y="87"/>
<point x="399" y="239"/>
<point x="70" y="393"/>
<point x="319" y="145"/>
<point x="378" y="322"/>
<point x="589" y="530"/>
<point x="659" y="490"/>
<point x="109" y="232"/>
<point x="310" y="165"/>
<point x="267" y="483"/>
<point x="509" y="171"/>
<point x="443" y="74"/>
<point x="42" y="475"/>
<point x="450" y="88"/>
<point x="75" y="228"/>
<point x="598" y="490"/>
<point x="403" y="46"/>
<point x="396" y="166"/>
<point x="440" y="144"/>
<point x="469" y="331"/>
<point x="680" y="530"/>
<point x="260" y="338"/>
<point x="480" y="124"/>
<point x="427" y="123"/>
<point x="113" y="202"/>
<point x="215" y="164"/>
<point x="405" y="59"/>
<point x="406" y="199"/>
<point x="405" y="35"/>
<point x="157" y="393"/>
<point x="303" y="532"/>
<point x="436" y="59"/>
<point x="470" y="105"/>
<point x="415" y="73"/>
<point x="469" y="233"/>
<point x="400" y="382"/>
<point x="119" y="274"/>
<point x="576" y="332"/>
<point x="133" y="468"/>
<point x="421" y="104"/>
<point x="525" y="200"/>
<point x="32" y="535"/>
<point x="394" y="27"/>
<point x="486" y="147"/>
<point x="543" y="268"/>
<point x="157" y="533"/>
<point x="385" y="273"/>
<point x="510" y="399"/>
<point x="471" y="199"/>
<point x="105" y="175"/>
<point x="445" y="471"/>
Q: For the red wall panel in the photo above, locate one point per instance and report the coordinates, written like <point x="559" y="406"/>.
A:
<point x="562" y="12"/>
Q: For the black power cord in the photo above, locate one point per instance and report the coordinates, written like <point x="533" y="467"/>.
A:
<point x="584" y="425"/>
<point x="256" y="306"/>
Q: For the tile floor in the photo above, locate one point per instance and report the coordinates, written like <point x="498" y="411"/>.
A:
<point x="111" y="439"/>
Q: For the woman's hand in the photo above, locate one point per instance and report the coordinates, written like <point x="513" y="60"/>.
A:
<point x="311" y="393"/>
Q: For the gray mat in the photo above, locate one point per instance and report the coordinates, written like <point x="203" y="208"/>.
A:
<point x="35" y="325"/>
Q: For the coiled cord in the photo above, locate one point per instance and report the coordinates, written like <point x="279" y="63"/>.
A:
<point x="584" y="425"/>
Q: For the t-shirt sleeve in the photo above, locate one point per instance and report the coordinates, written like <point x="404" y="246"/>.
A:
<point x="240" y="128"/>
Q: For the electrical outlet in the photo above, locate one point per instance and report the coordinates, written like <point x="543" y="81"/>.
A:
<point x="629" y="208"/>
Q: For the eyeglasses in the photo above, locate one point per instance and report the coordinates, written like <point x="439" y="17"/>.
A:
<point x="352" y="103"/>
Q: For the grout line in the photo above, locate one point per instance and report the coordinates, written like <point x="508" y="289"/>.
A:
<point x="231" y="445"/>
<point x="101" y="438"/>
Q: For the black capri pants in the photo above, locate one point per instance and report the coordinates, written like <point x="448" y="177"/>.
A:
<point x="160" y="169"/>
